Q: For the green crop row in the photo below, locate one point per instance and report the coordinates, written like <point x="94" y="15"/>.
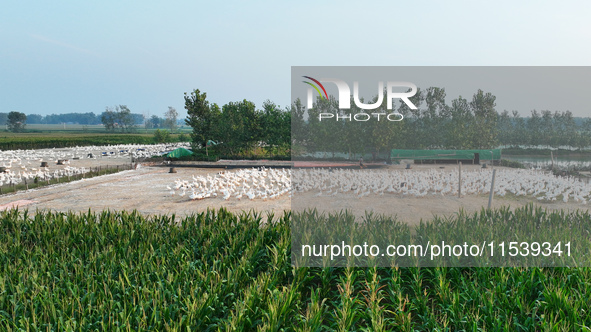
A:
<point x="217" y="271"/>
<point x="63" y="141"/>
<point x="527" y="236"/>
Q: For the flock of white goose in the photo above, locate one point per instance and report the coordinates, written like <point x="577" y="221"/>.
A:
<point x="81" y="152"/>
<point x="19" y="166"/>
<point x="560" y="164"/>
<point x="13" y="177"/>
<point x="518" y="182"/>
<point x="256" y="183"/>
<point x="269" y="183"/>
<point x="272" y="183"/>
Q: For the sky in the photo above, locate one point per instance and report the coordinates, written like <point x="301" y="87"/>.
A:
<point x="82" y="56"/>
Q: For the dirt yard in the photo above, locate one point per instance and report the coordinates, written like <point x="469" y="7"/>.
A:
<point x="145" y="190"/>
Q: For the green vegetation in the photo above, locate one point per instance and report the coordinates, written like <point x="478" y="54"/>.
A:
<point x="218" y="271"/>
<point x="238" y="127"/>
<point x="545" y="152"/>
<point x="528" y="224"/>
<point x="544" y="128"/>
<point x="512" y="163"/>
<point x="161" y="136"/>
<point x="60" y="136"/>
<point x="16" y="121"/>
<point x="118" y="117"/>
<point x="70" y="140"/>
<point x="88" y="118"/>
<point x="435" y="124"/>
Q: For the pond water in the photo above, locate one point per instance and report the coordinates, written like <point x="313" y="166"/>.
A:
<point x="562" y="162"/>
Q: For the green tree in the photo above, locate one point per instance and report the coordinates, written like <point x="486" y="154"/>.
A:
<point x="567" y="132"/>
<point x="125" y="118"/>
<point x="381" y="133"/>
<point x="460" y="133"/>
<point x="505" y="128"/>
<point x="520" y="134"/>
<point x="534" y="127"/>
<point x="276" y="126"/>
<point x="118" y="117"/>
<point x="485" y="120"/>
<point x="323" y="134"/>
<point x="16" y="121"/>
<point x="108" y="118"/>
<point x="547" y="124"/>
<point x="237" y="127"/>
<point x="154" y="122"/>
<point x="298" y="124"/>
<point x="354" y="135"/>
<point x="415" y="131"/>
<point x="435" y="117"/>
<point x="200" y="117"/>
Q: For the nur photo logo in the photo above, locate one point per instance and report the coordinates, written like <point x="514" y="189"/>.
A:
<point x="344" y="98"/>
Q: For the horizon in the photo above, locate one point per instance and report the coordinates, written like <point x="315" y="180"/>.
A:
<point x="83" y="57"/>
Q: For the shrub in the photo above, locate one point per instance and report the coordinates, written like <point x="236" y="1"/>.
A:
<point x="161" y="136"/>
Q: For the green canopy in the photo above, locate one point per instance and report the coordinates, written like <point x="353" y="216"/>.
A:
<point x="180" y="152"/>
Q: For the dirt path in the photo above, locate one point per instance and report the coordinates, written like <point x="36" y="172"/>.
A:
<point x="145" y="190"/>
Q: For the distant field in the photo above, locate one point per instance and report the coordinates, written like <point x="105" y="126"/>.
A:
<point x="32" y="129"/>
<point x="39" y="136"/>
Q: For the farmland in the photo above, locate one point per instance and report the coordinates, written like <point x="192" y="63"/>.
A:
<point x="59" y="136"/>
<point x="221" y="271"/>
<point x="134" y="251"/>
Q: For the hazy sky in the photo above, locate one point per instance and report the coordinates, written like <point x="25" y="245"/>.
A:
<point x="81" y="56"/>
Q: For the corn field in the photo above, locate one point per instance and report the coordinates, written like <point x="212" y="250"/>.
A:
<point x="216" y="271"/>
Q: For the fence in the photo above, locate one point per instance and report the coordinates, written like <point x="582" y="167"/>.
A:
<point x="25" y="184"/>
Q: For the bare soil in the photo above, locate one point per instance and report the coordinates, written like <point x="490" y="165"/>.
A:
<point x="145" y="190"/>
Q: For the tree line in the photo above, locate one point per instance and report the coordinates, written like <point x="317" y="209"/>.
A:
<point x="14" y="121"/>
<point x="89" y="118"/>
<point x="117" y="117"/>
<point x="237" y="128"/>
<point x="435" y="124"/>
<point x="544" y="128"/>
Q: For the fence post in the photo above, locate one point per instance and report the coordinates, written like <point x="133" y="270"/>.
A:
<point x="460" y="181"/>
<point x="492" y="189"/>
